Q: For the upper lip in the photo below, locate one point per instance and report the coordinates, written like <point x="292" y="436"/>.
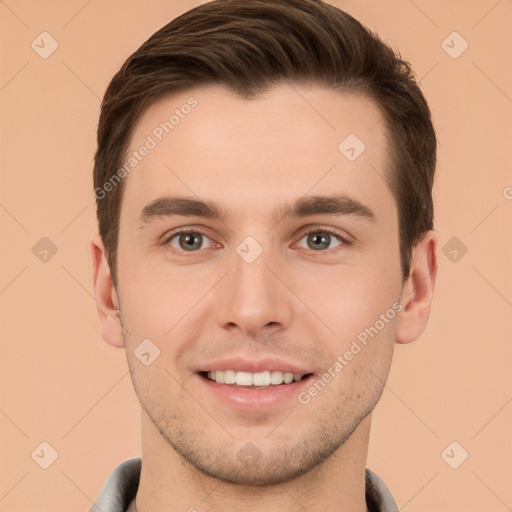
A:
<point x="253" y="365"/>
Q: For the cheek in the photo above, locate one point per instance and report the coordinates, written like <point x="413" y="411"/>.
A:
<point x="354" y="298"/>
<point x="150" y="312"/>
<point x="159" y="389"/>
<point x="360" y="312"/>
<point x="365" y="360"/>
<point x="153" y="297"/>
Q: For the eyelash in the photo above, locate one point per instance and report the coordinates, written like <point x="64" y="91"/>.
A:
<point x="315" y="230"/>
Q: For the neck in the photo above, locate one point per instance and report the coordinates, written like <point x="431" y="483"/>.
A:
<point x="169" y="483"/>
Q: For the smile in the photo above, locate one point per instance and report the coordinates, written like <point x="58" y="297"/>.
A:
<point x="253" y="380"/>
<point x="257" y="392"/>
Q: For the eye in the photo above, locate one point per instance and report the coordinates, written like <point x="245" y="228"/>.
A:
<point x="193" y="240"/>
<point x="319" y="239"/>
<point x="187" y="240"/>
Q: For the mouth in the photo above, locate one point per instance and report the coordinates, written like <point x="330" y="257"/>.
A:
<point x="258" y="393"/>
<point x="259" y="380"/>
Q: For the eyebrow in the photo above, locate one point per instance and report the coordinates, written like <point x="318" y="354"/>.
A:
<point x="333" y="204"/>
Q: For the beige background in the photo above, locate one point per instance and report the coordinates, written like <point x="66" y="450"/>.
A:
<point x="61" y="384"/>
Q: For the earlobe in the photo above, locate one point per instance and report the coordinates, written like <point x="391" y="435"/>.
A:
<point x="418" y="290"/>
<point x="107" y="301"/>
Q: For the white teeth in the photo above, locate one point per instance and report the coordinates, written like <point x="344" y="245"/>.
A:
<point x="288" y="378"/>
<point x="276" y="378"/>
<point x="243" y="379"/>
<point x="261" y="379"/>
<point x="229" y="376"/>
<point x="265" y="378"/>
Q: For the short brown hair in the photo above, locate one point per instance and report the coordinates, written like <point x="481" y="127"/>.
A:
<point x="248" y="46"/>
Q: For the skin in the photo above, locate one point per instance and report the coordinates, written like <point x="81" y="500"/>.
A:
<point x="301" y="304"/>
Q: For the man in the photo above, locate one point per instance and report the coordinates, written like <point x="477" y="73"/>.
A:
<point x="263" y="182"/>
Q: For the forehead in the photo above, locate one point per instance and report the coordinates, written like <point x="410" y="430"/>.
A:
<point x="287" y="142"/>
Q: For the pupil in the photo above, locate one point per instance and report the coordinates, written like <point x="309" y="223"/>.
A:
<point x="190" y="240"/>
<point x="324" y="239"/>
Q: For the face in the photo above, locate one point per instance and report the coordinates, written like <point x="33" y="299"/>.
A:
<point x="279" y="281"/>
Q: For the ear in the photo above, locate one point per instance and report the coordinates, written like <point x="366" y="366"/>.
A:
<point x="418" y="290"/>
<point x="107" y="301"/>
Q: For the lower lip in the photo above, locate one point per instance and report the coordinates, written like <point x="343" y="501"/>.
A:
<point x="255" y="399"/>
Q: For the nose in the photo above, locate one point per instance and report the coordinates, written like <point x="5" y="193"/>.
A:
<point x="254" y="298"/>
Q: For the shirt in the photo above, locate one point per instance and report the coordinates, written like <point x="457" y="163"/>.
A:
<point x="118" y="492"/>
